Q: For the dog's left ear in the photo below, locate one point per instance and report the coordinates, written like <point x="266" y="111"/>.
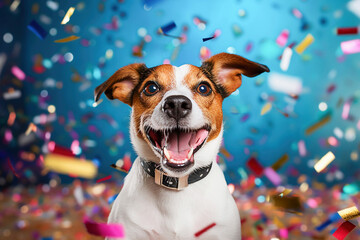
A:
<point x="121" y="84"/>
<point x="226" y="69"/>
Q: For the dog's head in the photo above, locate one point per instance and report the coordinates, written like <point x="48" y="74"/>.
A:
<point x="177" y="116"/>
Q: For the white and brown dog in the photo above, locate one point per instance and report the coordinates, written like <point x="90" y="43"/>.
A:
<point x="175" y="187"/>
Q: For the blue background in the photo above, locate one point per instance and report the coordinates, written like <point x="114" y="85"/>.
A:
<point x="272" y="135"/>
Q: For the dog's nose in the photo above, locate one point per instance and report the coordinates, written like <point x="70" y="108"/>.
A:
<point x="177" y="106"/>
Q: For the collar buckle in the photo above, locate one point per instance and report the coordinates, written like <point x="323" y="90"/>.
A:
<point x="182" y="182"/>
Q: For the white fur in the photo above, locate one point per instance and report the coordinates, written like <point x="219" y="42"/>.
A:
<point x="149" y="211"/>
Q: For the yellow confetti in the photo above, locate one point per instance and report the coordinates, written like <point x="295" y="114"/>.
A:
<point x="280" y="162"/>
<point x="67" y="16"/>
<point x="69" y="165"/>
<point x="67" y="39"/>
<point x="266" y="108"/>
<point x="324" y="161"/>
<point x="349" y="213"/>
<point x="309" y="39"/>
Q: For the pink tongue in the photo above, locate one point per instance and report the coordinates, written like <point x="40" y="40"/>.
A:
<point x="180" y="144"/>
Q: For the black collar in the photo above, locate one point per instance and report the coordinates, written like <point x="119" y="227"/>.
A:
<point x="173" y="183"/>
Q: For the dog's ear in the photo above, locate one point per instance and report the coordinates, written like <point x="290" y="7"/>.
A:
<point x="122" y="83"/>
<point x="225" y="70"/>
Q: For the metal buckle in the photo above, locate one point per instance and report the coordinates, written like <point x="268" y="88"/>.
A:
<point x="182" y="182"/>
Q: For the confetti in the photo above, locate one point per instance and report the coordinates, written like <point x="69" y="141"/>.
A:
<point x="67" y="16"/>
<point x="266" y="108"/>
<point x="68" y="165"/>
<point x="318" y="124"/>
<point x="273" y="176"/>
<point x="324" y="162"/>
<point x="202" y="231"/>
<point x="344" y="229"/>
<point x="104" y="229"/>
<point x="283" y="38"/>
<point x="255" y="166"/>
<point x="332" y="219"/>
<point x="31" y="128"/>
<point x="167" y="28"/>
<point x="354" y="7"/>
<point x="12" y="168"/>
<point x="37" y="29"/>
<point x="215" y="35"/>
<point x="11" y="119"/>
<point x="103" y="179"/>
<point x="287" y="203"/>
<point x="285" y="59"/>
<point x="349" y="213"/>
<point x="285" y="83"/>
<point x="12" y="94"/>
<point x="350" y="47"/>
<point x="67" y="39"/>
<point x="347" y="30"/>
<point x="308" y="40"/>
<point x="124" y="164"/>
<point x="280" y="162"/>
<point x="302" y="148"/>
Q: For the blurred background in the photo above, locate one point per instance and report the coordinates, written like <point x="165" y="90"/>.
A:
<point x="285" y="120"/>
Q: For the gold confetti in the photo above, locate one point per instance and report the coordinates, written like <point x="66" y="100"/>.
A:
<point x="266" y="108"/>
<point x="324" y="161"/>
<point x="309" y="39"/>
<point x="67" y="39"/>
<point x="67" y="16"/>
<point x="349" y="213"/>
<point x="317" y="125"/>
<point x="287" y="203"/>
<point x="280" y="162"/>
<point x="69" y="165"/>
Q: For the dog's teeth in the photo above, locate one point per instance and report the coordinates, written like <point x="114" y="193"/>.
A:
<point x="190" y="153"/>
<point x="167" y="154"/>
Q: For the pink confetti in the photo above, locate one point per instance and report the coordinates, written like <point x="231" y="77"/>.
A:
<point x="350" y="47"/>
<point x="297" y="13"/>
<point x="18" y="73"/>
<point x="103" y="179"/>
<point x="302" y="148"/>
<point x="104" y="230"/>
<point x="283" y="38"/>
<point x="273" y="176"/>
<point x="284" y="233"/>
<point x="346" y="110"/>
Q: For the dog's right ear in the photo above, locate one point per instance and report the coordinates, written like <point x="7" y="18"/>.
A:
<point x="121" y="84"/>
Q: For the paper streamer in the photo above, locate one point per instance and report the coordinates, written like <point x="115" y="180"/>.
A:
<point x="104" y="229"/>
<point x="344" y="229"/>
<point x="197" y="234"/>
<point x="67" y="39"/>
<point x="68" y="165"/>
<point x="349" y="213"/>
<point x="37" y="29"/>
<point x="273" y="176"/>
<point x="67" y="16"/>
<point x="308" y="40"/>
<point x="18" y="73"/>
<point x="255" y="166"/>
<point x="324" y="161"/>
<point x="350" y="47"/>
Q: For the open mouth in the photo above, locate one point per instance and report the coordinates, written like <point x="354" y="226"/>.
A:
<point x="177" y="146"/>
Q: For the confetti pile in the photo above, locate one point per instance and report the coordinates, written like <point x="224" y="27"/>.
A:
<point x="291" y="148"/>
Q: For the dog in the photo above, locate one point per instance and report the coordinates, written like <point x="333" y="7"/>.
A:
<point x="175" y="187"/>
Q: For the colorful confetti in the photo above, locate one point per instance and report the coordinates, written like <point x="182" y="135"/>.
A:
<point x="67" y="39"/>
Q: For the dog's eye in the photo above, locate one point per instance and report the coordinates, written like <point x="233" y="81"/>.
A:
<point x="151" y="89"/>
<point x="204" y="89"/>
